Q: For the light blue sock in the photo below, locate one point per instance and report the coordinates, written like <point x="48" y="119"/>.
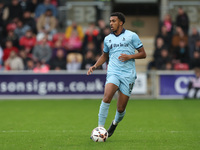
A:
<point x="119" y="116"/>
<point x="103" y="113"/>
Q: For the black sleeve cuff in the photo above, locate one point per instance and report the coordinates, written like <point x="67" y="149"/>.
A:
<point x="139" y="47"/>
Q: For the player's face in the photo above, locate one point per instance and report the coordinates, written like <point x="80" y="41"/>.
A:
<point x="115" y="23"/>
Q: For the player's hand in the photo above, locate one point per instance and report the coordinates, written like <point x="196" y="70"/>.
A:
<point x="124" y="57"/>
<point x="91" y="69"/>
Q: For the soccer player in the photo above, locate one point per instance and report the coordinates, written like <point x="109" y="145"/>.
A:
<point x="119" y="48"/>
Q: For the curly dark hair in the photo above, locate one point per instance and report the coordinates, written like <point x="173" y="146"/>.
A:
<point x="120" y="15"/>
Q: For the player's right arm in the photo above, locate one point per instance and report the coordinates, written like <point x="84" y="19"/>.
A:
<point x="102" y="59"/>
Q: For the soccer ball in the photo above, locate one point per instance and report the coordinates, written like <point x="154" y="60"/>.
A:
<point x="99" y="134"/>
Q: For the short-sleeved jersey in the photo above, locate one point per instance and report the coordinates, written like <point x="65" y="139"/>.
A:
<point x="125" y="43"/>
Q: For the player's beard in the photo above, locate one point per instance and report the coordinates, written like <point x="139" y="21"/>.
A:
<point x="115" y="31"/>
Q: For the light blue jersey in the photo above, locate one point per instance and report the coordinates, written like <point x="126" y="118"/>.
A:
<point x="122" y="74"/>
<point x="125" y="43"/>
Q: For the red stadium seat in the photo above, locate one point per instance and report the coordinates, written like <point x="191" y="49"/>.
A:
<point x="181" y="66"/>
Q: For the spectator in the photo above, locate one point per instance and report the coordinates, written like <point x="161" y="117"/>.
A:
<point x="58" y="37"/>
<point x="169" y="66"/>
<point x="21" y="29"/>
<point x="24" y="4"/>
<point x="177" y="37"/>
<point x="41" y="8"/>
<point x="89" y="60"/>
<point x="195" y="61"/>
<point x="29" y="20"/>
<point x="104" y="33"/>
<point x="14" y="10"/>
<point x="12" y="37"/>
<point x="101" y="25"/>
<point x="74" y="26"/>
<point x="159" y="46"/>
<point x="59" y="62"/>
<point x="41" y="35"/>
<point x="165" y="36"/>
<point x="32" y="6"/>
<point x="29" y="64"/>
<point x="28" y="41"/>
<point x="58" y="46"/>
<point x="1" y="56"/>
<point x="163" y="62"/>
<point x="157" y="53"/>
<point x="2" y="19"/>
<point x="24" y="57"/>
<point x="167" y="22"/>
<point x="192" y="40"/>
<point x="104" y="30"/>
<point x="73" y="43"/>
<point x="14" y="62"/>
<point x="194" y="85"/>
<point x="2" y="7"/>
<point x="197" y="45"/>
<point x="47" y="23"/>
<point x="40" y="67"/>
<point x="91" y="47"/>
<point x="42" y="52"/>
<point x="8" y="48"/>
<point x="91" y="35"/>
<point x="181" y="53"/>
<point x="74" y="61"/>
<point x="182" y="20"/>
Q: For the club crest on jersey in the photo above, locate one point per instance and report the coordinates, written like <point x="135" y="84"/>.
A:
<point x="123" y="39"/>
<point x="109" y="41"/>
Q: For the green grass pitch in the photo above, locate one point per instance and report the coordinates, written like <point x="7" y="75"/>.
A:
<point x="67" y="125"/>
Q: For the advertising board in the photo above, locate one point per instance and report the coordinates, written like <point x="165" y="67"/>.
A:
<point x="58" y="85"/>
<point x="174" y="85"/>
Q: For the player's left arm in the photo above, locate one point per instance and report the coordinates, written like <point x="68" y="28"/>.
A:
<point x="140" y="55"/>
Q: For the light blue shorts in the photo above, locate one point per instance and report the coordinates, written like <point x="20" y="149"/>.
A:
<point x="125" y="84"/>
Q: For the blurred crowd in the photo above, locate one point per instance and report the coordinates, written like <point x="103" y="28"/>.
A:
<point x="177" y="46"/>
<point x="29" y="39"/>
